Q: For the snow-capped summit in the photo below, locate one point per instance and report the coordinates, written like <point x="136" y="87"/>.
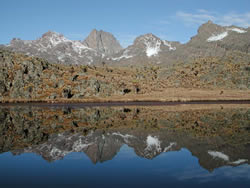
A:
<point x="146" y="48"/>
<point x="152" y="44"/>
<point x="53" y="38"/>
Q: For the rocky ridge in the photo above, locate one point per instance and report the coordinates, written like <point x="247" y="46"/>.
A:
<point x="212" y="40"/>
<point x="56" y="48"/>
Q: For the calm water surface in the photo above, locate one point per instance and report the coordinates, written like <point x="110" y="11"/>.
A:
<point x="132" y="146"/>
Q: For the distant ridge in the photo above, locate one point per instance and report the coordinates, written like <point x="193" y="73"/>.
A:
<point x="211" y="40"/>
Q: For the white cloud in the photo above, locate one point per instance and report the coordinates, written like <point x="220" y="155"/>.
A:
<point x="201" y="16"/>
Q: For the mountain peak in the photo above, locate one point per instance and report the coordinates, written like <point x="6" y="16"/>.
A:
<point x="103" y="42"/>
<point x="49" y="34"/>
<point x="148" y="37"/>
<point x="209" y="22"/>
<point x="210" y="28"/>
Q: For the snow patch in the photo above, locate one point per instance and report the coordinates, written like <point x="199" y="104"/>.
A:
<point x="217" y="154"/>
<point x="152" y="45"/>
<point x="153" y="49"/>
<point x="169" y="147"/>
<point x="239" y="161"/>
<point x="57" y="152"/>
<point x="153" y="143"/>
<point x="121" y="57"/>
<point x="166" y="43"/>
<point x="78" y="47"/>
<point x="124" y="55"/>
<point x="56" y="39"/>
<point x="79" y="146"/>
<point x="217" y="37"/>
<point x="237" y="30"/>
<point x="125" y="137"/>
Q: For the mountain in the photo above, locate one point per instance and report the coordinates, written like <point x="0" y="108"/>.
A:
<point x="146" y="49"/>
<point x="211" y="40"/>
<point x="216" y="40"/>
<point x="103" y="42"/>
<point x="100" y="46"/>
<point x="55" y="48"/>
<point x="101" y="147"/>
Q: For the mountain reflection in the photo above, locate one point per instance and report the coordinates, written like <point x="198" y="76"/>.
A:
<point x="218" y="135"/>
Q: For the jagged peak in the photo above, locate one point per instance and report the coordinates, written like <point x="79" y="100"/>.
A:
<point x="54" y="38"/>
<point x="148" y="37"/>
<point x="52" y="34"/>
<point x="210" y="27"/>
<point x="102" y="41"/>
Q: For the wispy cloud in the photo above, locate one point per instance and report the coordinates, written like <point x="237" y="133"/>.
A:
<point x="201" y="16"/>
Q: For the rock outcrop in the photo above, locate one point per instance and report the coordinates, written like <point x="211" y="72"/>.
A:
<point x="34" y="79"/>
<point x="103" y="42"/>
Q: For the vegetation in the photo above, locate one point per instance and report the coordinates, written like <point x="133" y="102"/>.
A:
<point x="26" y="79"/>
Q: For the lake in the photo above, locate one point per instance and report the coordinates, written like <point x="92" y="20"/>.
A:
<point x="194" y="145"/>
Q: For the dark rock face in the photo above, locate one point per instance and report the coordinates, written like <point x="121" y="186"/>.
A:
<point x="103" y="42"/>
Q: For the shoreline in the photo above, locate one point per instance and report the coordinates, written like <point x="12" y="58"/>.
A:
<point x="123" y="103"/>
<point x="171" y="96"/>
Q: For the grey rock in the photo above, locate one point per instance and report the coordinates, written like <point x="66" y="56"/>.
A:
<point x="103" y="42"/>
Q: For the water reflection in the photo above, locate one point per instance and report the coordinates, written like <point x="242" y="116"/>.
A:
<point x="218" y="136"/>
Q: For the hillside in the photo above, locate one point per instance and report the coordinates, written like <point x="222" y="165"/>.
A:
<point x="24" y="78"/>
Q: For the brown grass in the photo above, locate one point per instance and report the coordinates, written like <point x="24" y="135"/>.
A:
<point x="168" y="95"/>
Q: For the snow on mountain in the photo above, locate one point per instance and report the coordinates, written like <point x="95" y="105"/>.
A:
<point x="55" y="47"/>
<point x="217" y="37"/>
<point x="54" y="38"/>
<point x="237" y="30"/>
<point x="166" y="43"/>
<point x="240" y="161"/>
<point x="152" y="44"/>
<point x="224" y="157"/>
<point x="153" y="143"/>
<point x="169" y="147"/>
<point x="220" y="155"/>
<point x="100" y="46"/>
<point x="125" y="137"/>
<point x="123" y="56"/>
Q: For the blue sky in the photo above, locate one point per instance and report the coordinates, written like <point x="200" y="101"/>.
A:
<point x="126" y="19"/>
